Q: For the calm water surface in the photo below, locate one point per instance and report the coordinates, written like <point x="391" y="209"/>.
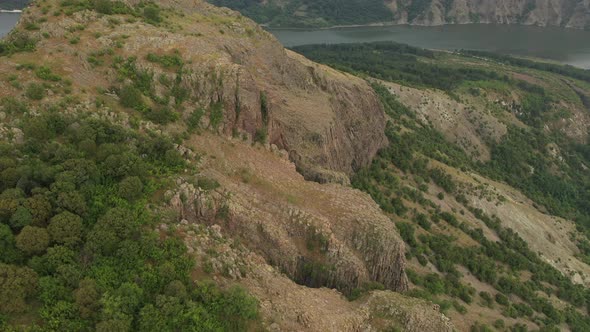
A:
<point x="562" y="45"/>
<point x="558" y="44"/>
<point x="7" y="21"/>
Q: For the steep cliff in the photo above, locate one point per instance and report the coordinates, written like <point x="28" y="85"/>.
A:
<point x="566" y="13"/>
<point x="319" y="235"/>
<point x="331" y="123"/>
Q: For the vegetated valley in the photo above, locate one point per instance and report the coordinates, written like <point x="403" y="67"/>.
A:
<point x="169" y="166"/>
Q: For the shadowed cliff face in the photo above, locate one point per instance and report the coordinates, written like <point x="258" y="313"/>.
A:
<point x="330" y="123"/>
<point x="566" y="13"/>
<point x="319" y="235"/>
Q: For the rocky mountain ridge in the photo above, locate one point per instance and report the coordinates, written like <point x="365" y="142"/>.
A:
<point x="216" y="84"/>
<point x="565" y="13"/>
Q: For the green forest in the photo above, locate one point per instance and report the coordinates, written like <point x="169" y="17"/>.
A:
<point x="80" y="202"/>
<point x="78" y="246"/>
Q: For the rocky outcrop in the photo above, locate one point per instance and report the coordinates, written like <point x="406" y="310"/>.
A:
<point x="331" y="123"/>
<point x="328" y="121"/>
<point x="319" y="235"/>
<point x="287" y="306"/>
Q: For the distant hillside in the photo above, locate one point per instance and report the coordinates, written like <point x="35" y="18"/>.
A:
<point x="13" y="4"/>
<point x="308" y="13"/>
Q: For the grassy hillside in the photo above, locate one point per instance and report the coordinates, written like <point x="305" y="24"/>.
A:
<point x="424" y="179"/>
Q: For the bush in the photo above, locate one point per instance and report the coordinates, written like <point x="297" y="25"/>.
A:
<point x="13" y="106"/>
<point x="45" y="73"/>
<point x="152" y="14"/>
<point x="261" y="135"/>
<point x="216" y="115"/>
<point x="35" y="91"/>
<point x="103" y="6"/>
<point x="161" y="116"/>
<point x="131" y="97"/>
<point x="487" y="299"/>
<point x="131" y="188"/>
<point x="194" y="120"/>
<point x="501" y="299"/>
<point x="17" y="42"/>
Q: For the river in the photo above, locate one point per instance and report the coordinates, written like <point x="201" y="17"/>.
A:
<point x="7" y="21"/>
<point x="562" y="45"/>
<point x="557" y="44"/>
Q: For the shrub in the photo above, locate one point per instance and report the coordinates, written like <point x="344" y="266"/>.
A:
<point x="501" y="299"/>
<point x="131" y="97"/>
<point x="13" y="106"/>
<point x="194" y="119"/>
<point x="161" y="116"/>
<point x="103" y="6"/>
<point x="35" y="91"/>
<point x="17" y="42"/>
<point x="487" y="298"/>
<point x="152" y="14"/>
<point x="45" y="73"/>
<point x="261" y="135"/>
<point x="131" y="188"/>
<point x="216" y="115"/>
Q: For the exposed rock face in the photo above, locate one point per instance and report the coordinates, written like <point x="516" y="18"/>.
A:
<point x="286" y="306"/>
<point x="319" y="235"/>
<point x="327" y="120"/>
<point x="331" y="123"/>
<point x="567" y="13"/>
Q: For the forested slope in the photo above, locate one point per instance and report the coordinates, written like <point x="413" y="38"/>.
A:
<point x="461" y="128"/>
